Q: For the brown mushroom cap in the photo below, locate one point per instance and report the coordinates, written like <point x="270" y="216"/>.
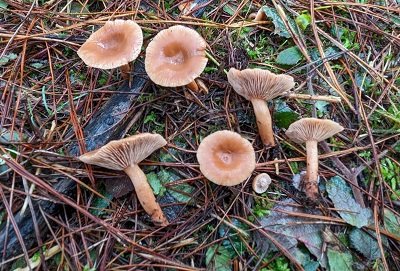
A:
<point x="261" y="183"/>
<point x="120" y="154"/>
<point x="115" y="44"/>
<point x="312" y="129"/>
<point x="259" y="84"/>
<point x="260" y="16"/>
<point x="226" y="158"/>
<point x="175" y="57"/>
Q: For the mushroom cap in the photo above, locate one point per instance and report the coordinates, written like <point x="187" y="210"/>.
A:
<point x="115" y="44"/>
<point x="261" y="183"/>
<point x="226" y="158"/>
<point x="176" y="56"/>
<point x="259" y="84"/>
<point x="260" y="16"/>
<point x="119" y="154"/>
<point x="312" y="129"/>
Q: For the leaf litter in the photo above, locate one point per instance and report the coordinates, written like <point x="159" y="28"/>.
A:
<point x="360" y="48"/>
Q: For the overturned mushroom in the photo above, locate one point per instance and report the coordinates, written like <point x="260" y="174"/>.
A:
<point x="261" y="183"/>
<point x="259" y="86"/>
<point x="125" y="154"/>
<point x="114" y="45"/>
<point x="175" y="57"/>
<point x="311" y="131"/>
<point x="226" y="158"/>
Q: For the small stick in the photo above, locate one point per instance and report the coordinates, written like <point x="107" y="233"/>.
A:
<point x="239" y="230"/>
<point x="332" y="99"/>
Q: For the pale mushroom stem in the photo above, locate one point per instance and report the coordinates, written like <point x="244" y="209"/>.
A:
<point x="264" y="122"/>
<point x="145" y="195"/>
<point x="311" y="181"/>
<point x="125" y="71"/>
<point x="193" y="86"/>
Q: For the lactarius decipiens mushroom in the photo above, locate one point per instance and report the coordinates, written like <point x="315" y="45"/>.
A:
<point x="175" y="57"/>
<point x="261" y="183"/>
<point x="311" y="131"/>
<point x="125" y="154"/>
<point x="226" y="158"/>
<point x="114" y="45"/>
<point x="259" y="86"/>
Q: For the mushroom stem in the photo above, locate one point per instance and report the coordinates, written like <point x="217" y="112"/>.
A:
<point x="125" y="71"/>
<point x="264" y="122"/>
<point x="311" y="181"/>
<point x="145" y="195"/>
<point x="193" y="86"/>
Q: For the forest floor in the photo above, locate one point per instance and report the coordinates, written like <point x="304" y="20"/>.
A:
<point x="348" y="51"/>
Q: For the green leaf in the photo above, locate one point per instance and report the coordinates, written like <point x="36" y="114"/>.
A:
<point x="322" y="107"/>
<point x="303" y="20"/>
<point x="284" y="115"/>
<point x="3" y="5"/>
<point x="169" y="155"/>
<point x="150" y="118"/>
<point x="234" y="243"/>
<point x="280" y="28"/>
<point x="279" y="264"/>
<point x="363" y="81"/>
<point x="77" y="7"/>
<point x="37" y="65"/>
<point x="330" y="52"/>
<point x="88" y="268"/>
<point x="99" y="204"/>
<point x="289" y="56"/>
<point x="181" y="192"/>
<point x="345" y="35"/>
<point x="351" y="212"/>
<point x="229" y="9"/>
<point x="6" y="58"/>
<point x="365" y="244"/>
<point x="6" y="138"/>
<point x="339" y="261"/>
<point x="311" y="266"/>
<point x="218" y="258"/>
<point x="392" y="222"/>
<point x="395" y="19"/>
<point x="155" y="184"/>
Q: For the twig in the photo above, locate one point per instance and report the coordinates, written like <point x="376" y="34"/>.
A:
<point x="332" y="99"/>
<point x="242" y="232"/>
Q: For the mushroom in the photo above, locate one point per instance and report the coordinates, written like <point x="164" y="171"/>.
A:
<point x="125" y="154"/>
<point x="258" y="86"/>
<point x="114" y="45"/>
<point x="261" y="183"/>
<point x="311" y="131"/>
<point x="226" y="158"/>
<point x="258" y="16"/>
<point x="175" y="57"/>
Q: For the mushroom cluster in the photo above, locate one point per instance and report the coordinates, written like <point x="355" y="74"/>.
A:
<point x="176" y="57"/>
